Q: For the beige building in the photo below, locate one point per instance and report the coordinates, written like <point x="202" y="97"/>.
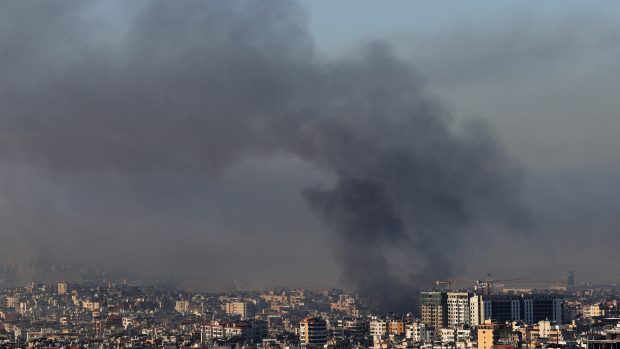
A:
<point x="277" y="298"/>
<point x="181" y="306"/>
<point x="91" y="305"/>
<point x="243" y="309"/>
<point x="486" y="335"/>
<point x="12" y="302"/>
<point x="61" y="288"/>
<point x="592" y="310"/>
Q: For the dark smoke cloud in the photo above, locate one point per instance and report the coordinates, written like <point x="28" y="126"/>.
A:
<point x="120" y="113"/>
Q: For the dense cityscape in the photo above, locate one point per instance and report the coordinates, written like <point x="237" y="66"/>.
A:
<point x="112" y="315"/>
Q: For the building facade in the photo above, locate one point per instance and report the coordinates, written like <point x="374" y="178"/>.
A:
<point x="245" y="310"/>
<point x="434" y="308"/>
<point x="313" y="332"/>
<point x="458" y="309"/>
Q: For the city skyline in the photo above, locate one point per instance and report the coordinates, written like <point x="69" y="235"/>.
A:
<point x="288" y="174"/>
<point x="117" y="314"/>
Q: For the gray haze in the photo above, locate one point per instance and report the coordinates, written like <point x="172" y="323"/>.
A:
<point x="545" y="76"/>
<point x="548" y="83"/>
<point x="209" y="143"/>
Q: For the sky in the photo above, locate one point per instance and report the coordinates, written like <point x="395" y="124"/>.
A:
<point x="257" y="144"/>
<point x="543" y="74"/>
<point x="550" y="50"/>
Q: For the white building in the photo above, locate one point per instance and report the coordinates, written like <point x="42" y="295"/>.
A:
<point x="378" y="329"/>
<point x="447" y="335"/>
<point x="592" y="310"/>
<point x="458" y="309"/>
<point x="476" y="310"/>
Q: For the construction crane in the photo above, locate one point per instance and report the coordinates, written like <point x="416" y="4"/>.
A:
<point x="449" y="283"/>
<point x="488" y="283"/>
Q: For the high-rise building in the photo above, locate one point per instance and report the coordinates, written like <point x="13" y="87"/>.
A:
<point x="538" y="307"/>
<point x="531" y="308"/>
<point x="458" y="309"/>
<point x="434" y="308"/>
<point x="476" y="310"/>
<point x="502" y="308"/>
<point x="313" y="332"/>
<point x="570" y="280"/>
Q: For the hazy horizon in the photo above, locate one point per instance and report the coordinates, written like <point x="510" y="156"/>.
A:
<point x="310" y="143"/>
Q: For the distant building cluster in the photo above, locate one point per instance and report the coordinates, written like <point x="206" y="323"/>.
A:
<point x="73" y="315"/>
<point x="454" y="309"/>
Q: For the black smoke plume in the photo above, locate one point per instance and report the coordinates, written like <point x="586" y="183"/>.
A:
<point x="133" y="90"/>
